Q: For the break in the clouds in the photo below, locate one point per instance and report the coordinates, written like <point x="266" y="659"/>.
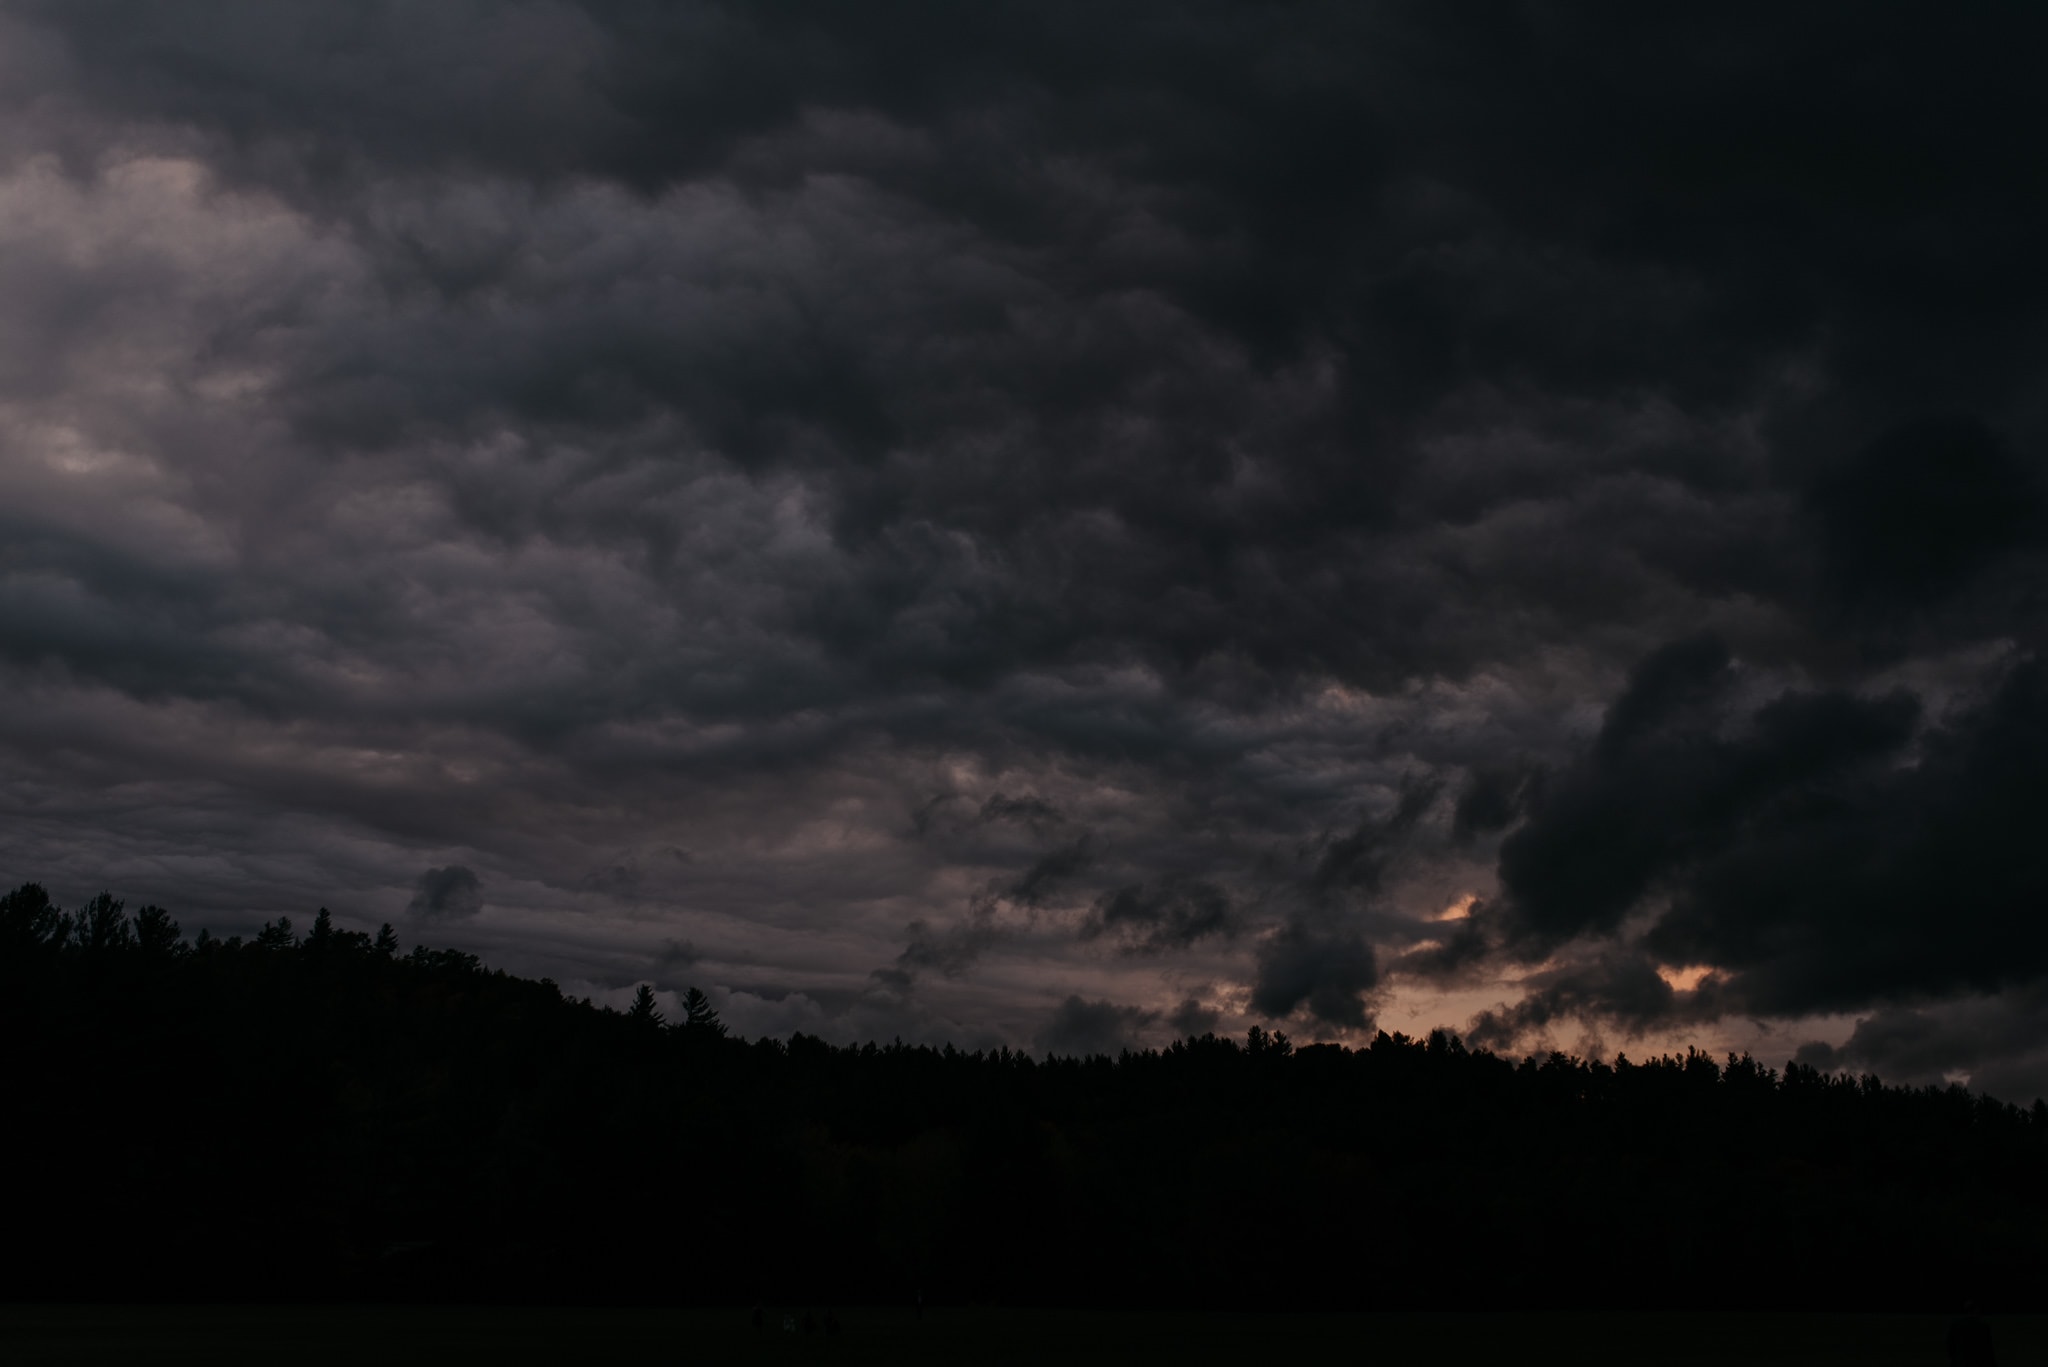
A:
<point x="1051" y="524"/>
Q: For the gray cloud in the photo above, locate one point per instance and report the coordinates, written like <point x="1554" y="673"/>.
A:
<point x="446" y="894"/>
<point x="1615" y="987"/>
<point x="1997" y="1043"/>
<point x="1034" y="812"/>
<point x="1173" y="914"/>
<point x="537" y="438"/>
<point x="1493" y="796"/>
<point x="1332" y="975"/>
<point x="1079" y="1029"/>
<point x="1193" y="1018"/>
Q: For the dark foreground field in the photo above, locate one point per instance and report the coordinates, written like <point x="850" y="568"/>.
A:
<point x="389" y="1337"/>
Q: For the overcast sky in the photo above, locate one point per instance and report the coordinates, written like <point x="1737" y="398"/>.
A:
<point x="1054" y="524"/>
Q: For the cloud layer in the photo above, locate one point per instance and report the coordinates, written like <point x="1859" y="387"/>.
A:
<point x="1048" y="525"/>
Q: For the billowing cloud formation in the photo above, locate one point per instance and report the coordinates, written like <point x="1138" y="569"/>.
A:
<point x="1809" y="851"/>
<point x="1173" y="914"/>
<point x="1329" y="974"/>
<point x="917" y="518"/>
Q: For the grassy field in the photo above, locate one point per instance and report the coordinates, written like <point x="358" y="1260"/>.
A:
<point x="387" y="1337"/>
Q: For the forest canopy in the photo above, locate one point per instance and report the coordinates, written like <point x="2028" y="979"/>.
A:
<point x="324" y="1115"/>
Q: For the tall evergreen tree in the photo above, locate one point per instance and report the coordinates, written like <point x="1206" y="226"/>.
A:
<point x="156" y="933"/>
<point x="698" y="1017"/>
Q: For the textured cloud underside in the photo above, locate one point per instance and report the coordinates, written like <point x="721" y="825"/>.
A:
<point x="1053" y="526"/>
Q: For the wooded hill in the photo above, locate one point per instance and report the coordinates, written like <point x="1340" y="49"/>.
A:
<point x="321" y="1116"/>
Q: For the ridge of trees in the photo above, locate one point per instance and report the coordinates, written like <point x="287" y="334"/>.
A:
<point x="322" y="1116"/>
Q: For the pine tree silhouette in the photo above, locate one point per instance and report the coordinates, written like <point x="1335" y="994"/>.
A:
<point x="698" y="1017"/>
<point x="156" y="934"/>
<point x="643" y="1009"/>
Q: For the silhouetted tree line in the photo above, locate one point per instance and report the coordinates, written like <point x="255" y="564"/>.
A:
<point x="324" y="1116"/>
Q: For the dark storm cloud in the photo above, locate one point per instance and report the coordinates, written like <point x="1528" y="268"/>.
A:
<point x="1358" y="861"/>
<point x="1034" y="812"/>
<point x="1079" y="1029"/>
<point x="1049" y="874"/>
<point x="1493" y="796"/>
<point x="1193" y="1018"/>
<point x="1662" y="788"/>
<point x="1317" y="957"/>
<point x="1999" y="1043"/>
<point x="1915" y="880"/>
<point x="448" y="893"/>
<point x="1817" y="860"/>
<point x="534" y="435"/>
<point x="1616" y="987"/>
<point x="1330" y="974"/>
<point x="1171" y="914"/>
<point x="1923" y="508"/>
<point x="954" y="948"/>
<point x="1182" y="556"/>
<point x="950" y="950"/>
<point x="1459" y="950"/>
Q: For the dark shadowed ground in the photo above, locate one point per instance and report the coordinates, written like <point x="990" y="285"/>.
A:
<point x="386" y="1337"/>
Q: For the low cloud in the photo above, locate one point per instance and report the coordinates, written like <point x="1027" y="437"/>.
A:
<point x="676" y="953"/>
<point x="1617" y="987"/>
<point x="1330" y="975"/>
<point x="1998" y="1043"/>
<point x="1193" y="1017"/>
<point x="1079" y="1029"/>
<point x="449" y="894"/>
